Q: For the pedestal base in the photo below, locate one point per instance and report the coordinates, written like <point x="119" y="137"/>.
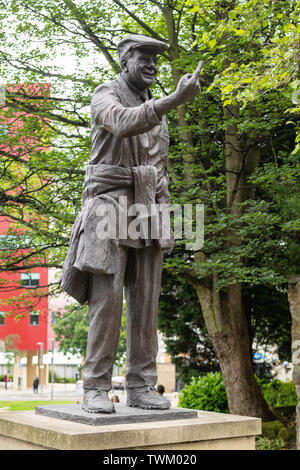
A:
<point x="28" y="430"/>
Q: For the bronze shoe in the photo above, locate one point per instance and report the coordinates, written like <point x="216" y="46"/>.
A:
<point x="147" y="398"/>
<point x="97" y="401"/>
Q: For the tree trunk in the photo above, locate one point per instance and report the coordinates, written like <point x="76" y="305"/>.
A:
<point x="228" y="330"/>
<point x="294" y="301"/>
<point x="223" y="313"/>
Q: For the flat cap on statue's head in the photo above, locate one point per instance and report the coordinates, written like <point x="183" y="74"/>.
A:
<point x="134" y="41"/>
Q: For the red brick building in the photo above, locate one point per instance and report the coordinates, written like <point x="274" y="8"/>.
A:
<point x="33" y="327"/>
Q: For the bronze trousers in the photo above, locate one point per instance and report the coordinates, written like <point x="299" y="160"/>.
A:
<point x="139" y="272"/>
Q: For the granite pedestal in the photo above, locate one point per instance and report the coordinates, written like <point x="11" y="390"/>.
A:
<point x="27" y="430"/>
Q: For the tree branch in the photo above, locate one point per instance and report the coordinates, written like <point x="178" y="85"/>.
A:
<point x="139" y="21"/>
<point x="15" y="104"/>
<point x="34" y="227"/>
<point x="30" y="68"/>
<point x="95" y="39"/>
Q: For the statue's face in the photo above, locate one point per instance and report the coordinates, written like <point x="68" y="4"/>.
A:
<point x="141" y="69"/>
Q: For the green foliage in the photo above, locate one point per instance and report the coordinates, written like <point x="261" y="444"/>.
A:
<point x="276" y="431"/>
<point x="208" y="393"/>
<point x="11" y="346"/>
<point x="278" y="393"/>
<point x="185" y="335"/>
<point x="2" y="376"/>
<point x="272" y="429"/>
<point x="181" y="322"/>
<point x="252" y="72"/>
<point x="264" y="443"/>
<point x="205" y="393"/>
<point x="268" y="329"/>
<point x="61" y="380"/>
<point x="71" y="329"/>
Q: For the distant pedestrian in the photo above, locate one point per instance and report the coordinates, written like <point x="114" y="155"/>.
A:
<point x="115" y="399"/>
<point x="35" y="384"/>
<point x="19" y="382"/>
<point x="160" y="389"/>
<point x="6" y="379"/>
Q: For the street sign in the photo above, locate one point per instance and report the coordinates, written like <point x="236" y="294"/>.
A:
<point x="257" y="356"/>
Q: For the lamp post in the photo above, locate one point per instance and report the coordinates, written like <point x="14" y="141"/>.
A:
<point x="41" y="365"/>
<point x="52" y="369"/>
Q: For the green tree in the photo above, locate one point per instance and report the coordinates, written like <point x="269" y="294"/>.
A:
<point x="182" y="324"/>
<point x="244" y="240"/>
<point x="181" y="321"/>
<point x="243" y="120"/>
<point x="11" y="350"/>
<point x="71" y="329"/>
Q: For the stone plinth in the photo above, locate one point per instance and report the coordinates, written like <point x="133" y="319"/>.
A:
<point x="209" y="431"/>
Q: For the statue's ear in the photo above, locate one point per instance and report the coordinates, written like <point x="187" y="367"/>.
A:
<point x="124" y="66"/>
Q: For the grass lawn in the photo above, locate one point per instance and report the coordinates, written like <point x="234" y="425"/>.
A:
<point x="30" y="405"/>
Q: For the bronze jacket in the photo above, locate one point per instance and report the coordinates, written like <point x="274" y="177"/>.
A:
<point x="129" y="147"/>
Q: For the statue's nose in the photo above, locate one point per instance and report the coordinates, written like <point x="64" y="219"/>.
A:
<point x="152" y="66"/>
<point x="152" y="63"/>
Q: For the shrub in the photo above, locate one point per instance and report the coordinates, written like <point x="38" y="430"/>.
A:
<point x="205" y="393"/>
<point x="278" y="393"/>
<point x="61" y="380"/>
<point x="2" y="377"/>
<point x="277" y="430"/>
<point x="208" y="393"/>
<point x="263" y="443"/>
<point x="272" y="429"/>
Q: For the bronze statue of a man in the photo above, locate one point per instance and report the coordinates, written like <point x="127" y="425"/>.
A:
<point x="128" y="167"/>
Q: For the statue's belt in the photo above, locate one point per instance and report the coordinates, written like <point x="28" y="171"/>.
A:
<point x="148" y="186"/>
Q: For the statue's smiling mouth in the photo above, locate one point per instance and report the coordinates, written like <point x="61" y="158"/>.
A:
<point x="149" y="74"/>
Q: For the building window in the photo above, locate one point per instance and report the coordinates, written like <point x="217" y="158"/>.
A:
<point x="30" y="279"/>
<point x="34" y="318"/>
<point x="4" y="128"/>
<point x="54" y="316"/>
<point x="1" y="318"/>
